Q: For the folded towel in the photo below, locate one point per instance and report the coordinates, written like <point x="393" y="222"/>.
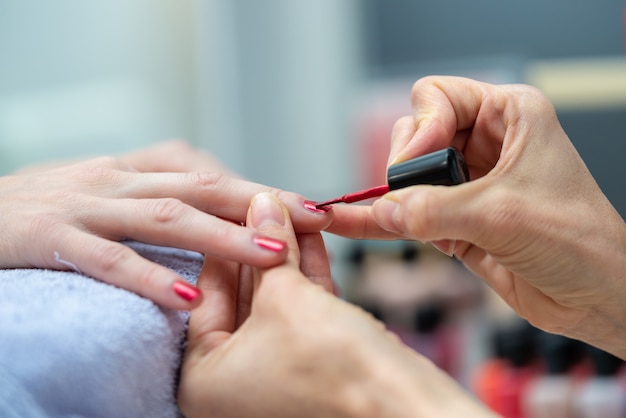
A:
<point x="71" y="346"/>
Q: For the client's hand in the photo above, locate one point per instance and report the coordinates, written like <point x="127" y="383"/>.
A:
<point x="73" y="216"/>
<point x="300" y="351"/>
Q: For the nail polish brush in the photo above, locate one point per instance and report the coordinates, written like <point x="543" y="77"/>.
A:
<point x="444" y="167"/>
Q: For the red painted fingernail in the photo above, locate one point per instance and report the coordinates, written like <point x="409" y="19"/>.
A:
<point x="312" y="206"/>
<point x="270" y="243"/>
<point x="186" y="291"/>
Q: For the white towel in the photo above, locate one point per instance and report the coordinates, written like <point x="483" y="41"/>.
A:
<point x="71" y="346"/>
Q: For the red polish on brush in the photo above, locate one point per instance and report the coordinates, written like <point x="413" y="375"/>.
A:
<point x="444" y="167"/>
<point x="356" y="196"/>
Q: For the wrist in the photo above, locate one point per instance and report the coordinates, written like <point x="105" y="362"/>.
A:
<point x="604" y="326"/>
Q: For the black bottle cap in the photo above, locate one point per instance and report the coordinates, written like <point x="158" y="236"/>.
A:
<point x="445" y="167"/>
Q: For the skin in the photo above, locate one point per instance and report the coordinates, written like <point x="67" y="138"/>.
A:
<point x="532" y="222"/>
<point x="276" y="343"/>
<point x="170" y="195"/>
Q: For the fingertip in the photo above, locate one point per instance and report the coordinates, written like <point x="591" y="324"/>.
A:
<point x="187" y="292"/>
<point x="180" y="295"/>
<point x="269" y="243"/>
<point x="308" y="217"/>
<point x="266" y="211"/>
<point x="313" y="207"/>
<point x="270" y="217"/>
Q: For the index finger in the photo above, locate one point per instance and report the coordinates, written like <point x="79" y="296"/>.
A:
<point x="222" y="196"/>
<point x="356" y="222"/>
<point x="442" y="107"/>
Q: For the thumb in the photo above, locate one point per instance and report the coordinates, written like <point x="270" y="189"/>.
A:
<point x="433" y="213"/>
<point x="306" y="254"/>
<point x="270" y="218"/>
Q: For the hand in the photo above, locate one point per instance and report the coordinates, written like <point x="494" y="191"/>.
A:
<point x="74" y="216"/>
<point x="532" y="222"/>
<point x="300" y="351"/>
<point x="174" y="156"/>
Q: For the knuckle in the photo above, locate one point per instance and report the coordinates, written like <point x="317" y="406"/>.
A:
<point x="166" y="210"/>
<point x="403" y="125"/>
<point x="207" y="179"/>
<point x="530" y="92"/>
<point x="109" y="255"/>
<point x="532" y="99"/>
<point x="100" y="171"/>
<point x="422" y="82"/>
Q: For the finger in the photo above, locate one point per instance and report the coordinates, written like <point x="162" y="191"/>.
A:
<point x="223" y="196"/>
<point x="442" y="107"/>
<point x="357" y="222"/>
<point x="173" y="156"/>
<point x="170" y="222"/>
<point x="212" y="322"/>
<point x="246" y="291"/>
<point x="433" y="213"/>
<point x="314" y="262"/>
<point x="401" y="133"/>
<point x="267" y="215"/>
<point x="118" y="265"/>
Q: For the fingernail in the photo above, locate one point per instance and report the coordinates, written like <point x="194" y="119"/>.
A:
<point x="266" y="210"/>
<point x="312" y="206"/>
<point x="186" y="291"/>
<point x="268" y="243"/>
<point x="385" y="212"/>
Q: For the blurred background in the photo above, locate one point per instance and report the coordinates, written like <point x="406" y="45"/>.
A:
<point x="302" y="95"/>
<point x="280" y="89"/>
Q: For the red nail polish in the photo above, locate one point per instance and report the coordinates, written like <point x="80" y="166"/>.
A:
<point x="186" y="291"/>
<point x="312" y="206"/>
<point x="270" y="243"/>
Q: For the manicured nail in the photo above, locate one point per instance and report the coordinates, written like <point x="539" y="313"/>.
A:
<point x="266" y="210"/>
<point x="186" y="291"/>
<point x="271" y="244"/>
<point x="312" y="206"/>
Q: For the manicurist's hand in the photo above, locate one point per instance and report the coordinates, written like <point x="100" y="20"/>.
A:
<point x="532" y="221"/>
<point x="73" y="216"/>
<point x="293" y="349"/>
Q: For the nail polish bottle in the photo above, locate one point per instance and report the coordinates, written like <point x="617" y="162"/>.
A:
<point x="552" y="394"/>
<point x="603" y="395"/>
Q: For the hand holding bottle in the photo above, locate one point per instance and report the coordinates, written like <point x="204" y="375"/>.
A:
<point x="532" y="221"/>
